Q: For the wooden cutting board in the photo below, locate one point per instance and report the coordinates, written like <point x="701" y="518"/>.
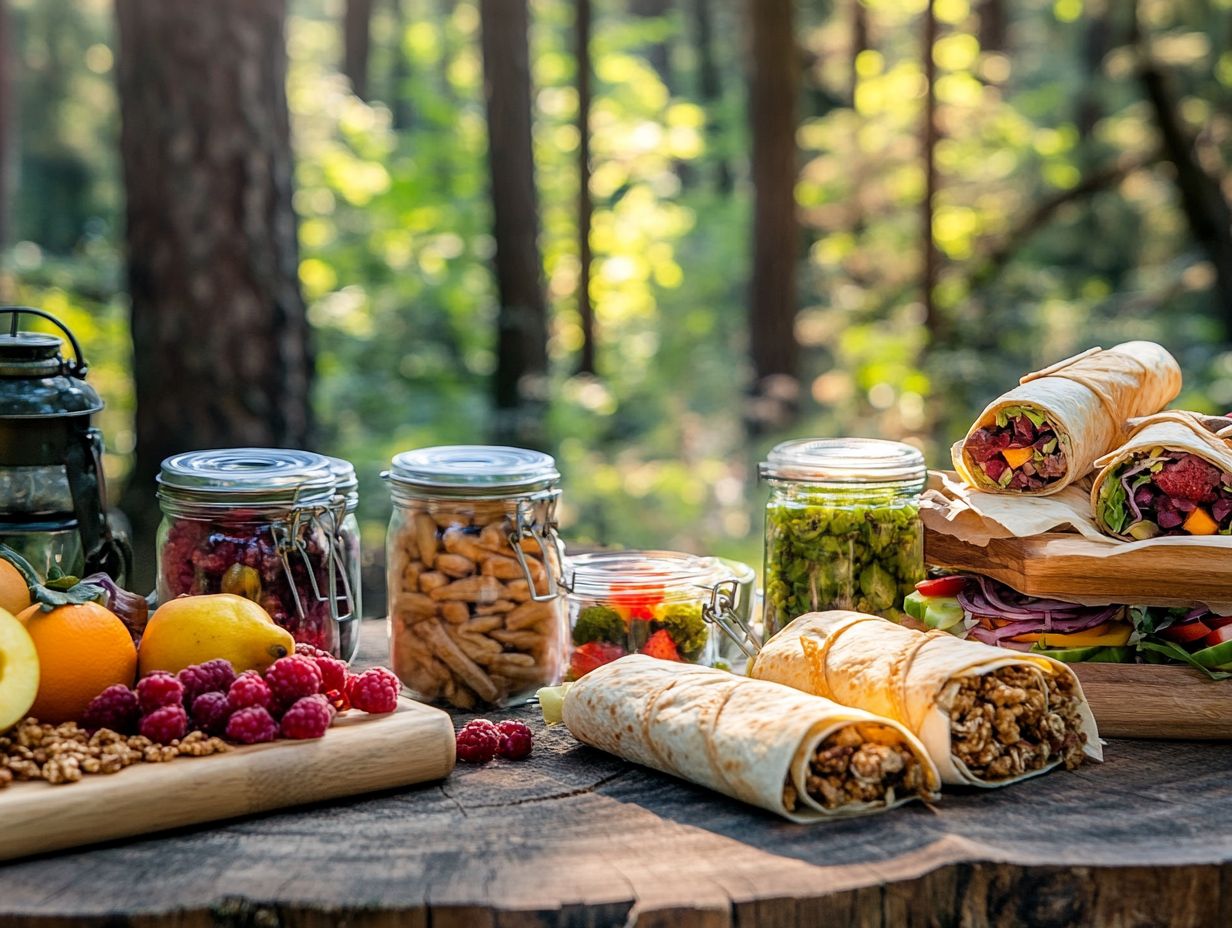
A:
<point x="1070" y="567"/>
<point x="360" y="753"/>
<point x="1157" y="701"/>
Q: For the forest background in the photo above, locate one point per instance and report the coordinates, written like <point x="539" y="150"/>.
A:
<point x="660" y="237"/>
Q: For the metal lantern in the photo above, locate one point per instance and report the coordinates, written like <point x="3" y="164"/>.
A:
<point x="53" y="500"/>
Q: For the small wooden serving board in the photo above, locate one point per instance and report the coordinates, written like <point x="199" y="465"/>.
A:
<point x="1162" y="701"/>
<point x="359" y="754"/>
<point x="1073" y="568"/>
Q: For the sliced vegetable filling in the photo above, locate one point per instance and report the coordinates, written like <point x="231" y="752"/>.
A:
<point x="1019" y="451"/>
<point x="859" y="763"/>
<point x="1166" y="493"/>
<point x="971" y="606"/>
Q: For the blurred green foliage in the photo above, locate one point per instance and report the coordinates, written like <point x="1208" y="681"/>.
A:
<point x="396" y="249"/>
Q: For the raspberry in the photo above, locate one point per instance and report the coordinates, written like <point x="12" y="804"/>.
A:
<point x="660" y="645"/>
<point x="477" y="745"/>
<point x="516" y="740"/>
<point x="482" y="723"/>
<point x="593" y="654"/>
<point x="247" y="691"/>
<point x="374" y="690"/>
<point x="210" y="713"/>
<point x="252" y="726"/>
<point x="333" y="672"/>
<point x="214" y="676"/>
<point x="115" y="708"/>
<point x="159" y="689"/>
<point x="291" y="678"/>
<point x="308" y="717"/>
<point x="304" y="649"/>
<point x="165" y="724"/>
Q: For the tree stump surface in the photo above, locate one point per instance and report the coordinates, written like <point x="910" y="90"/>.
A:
<point x="576" y="837"/>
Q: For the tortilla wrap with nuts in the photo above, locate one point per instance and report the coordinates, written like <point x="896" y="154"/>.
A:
<point x="748" y="739"/>
<point x="1086" y="401"/>
<point x="923" y="679"/>
<point x="1156" y="443"/>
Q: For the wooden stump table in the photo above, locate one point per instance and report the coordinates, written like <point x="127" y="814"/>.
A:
<point x="573" y="836"/>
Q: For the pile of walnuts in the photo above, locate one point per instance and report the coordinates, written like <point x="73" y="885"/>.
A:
<point x="64" y="753"/>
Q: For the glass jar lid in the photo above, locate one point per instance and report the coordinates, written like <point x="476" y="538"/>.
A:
<point x="473" y="470"/>
<point x="599" y="574"/>
<point x="345" y="482"/>
<point x="251" y="476"/>
<point x="845" y="461"/>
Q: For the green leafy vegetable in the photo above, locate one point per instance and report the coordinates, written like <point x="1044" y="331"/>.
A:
<point x="684" y="622"/>
<point x="600" y="623"/>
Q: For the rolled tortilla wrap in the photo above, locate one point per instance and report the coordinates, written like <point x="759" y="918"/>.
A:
<point x="751" y="740"/>
<point x="1084" y="401"/>
<point x="1178" y="494"/>
<point x="935" y="685"/>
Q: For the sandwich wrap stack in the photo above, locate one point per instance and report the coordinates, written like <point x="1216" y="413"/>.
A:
<point x="1047" y="432"/>
<point x="1173" y="476"/>
<point x="765" y="744"/>
<point x="987" y="716"/>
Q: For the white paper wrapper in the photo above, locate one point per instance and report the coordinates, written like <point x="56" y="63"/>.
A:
<point x="952" y="507"/>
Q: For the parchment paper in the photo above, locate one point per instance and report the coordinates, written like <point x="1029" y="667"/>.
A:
<point x="950" y="507"/>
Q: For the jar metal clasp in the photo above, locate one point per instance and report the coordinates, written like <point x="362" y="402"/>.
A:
<point x="721" y="612"/>
<point x="291" y="538"/>
<point x="525" y="527"/>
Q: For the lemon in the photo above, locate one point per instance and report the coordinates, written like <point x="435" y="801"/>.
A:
<point x="194" y="629"/>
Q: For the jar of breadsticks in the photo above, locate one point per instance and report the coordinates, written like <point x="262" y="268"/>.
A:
<point x="476" y="609"/>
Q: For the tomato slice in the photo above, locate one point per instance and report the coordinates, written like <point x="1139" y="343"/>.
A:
<point x="1186" y="632"/>
<point x="634" y="600"/>
<point x="1217" y="621"/>
<point x="1218" y="636"/>
<point x="942" y="586"/>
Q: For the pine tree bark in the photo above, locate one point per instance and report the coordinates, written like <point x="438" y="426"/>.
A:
<point x="356" y="44"/>
<point x="773" y="91"/>
<point x="522" y="331"/>
<point x="222" y="354"/>
<point x="586" y="311"/>
<point x="8" y="123"/>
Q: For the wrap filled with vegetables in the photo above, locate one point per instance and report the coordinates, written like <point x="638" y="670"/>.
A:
<point x="1172" y="476"/>
<point x="987" y="716"/>
<point x="1047" y="432"/>
<point x="983" y="609"/>
<point x="800" y="756"/>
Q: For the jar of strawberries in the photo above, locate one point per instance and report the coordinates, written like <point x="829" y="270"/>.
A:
<point x="261" y="523"/>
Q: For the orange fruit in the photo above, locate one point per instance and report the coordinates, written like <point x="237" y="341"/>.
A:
<point x="82" y="650"/>
<point x="14" y="594"/>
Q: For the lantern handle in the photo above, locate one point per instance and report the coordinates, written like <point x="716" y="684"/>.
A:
<point x="79" y="367"/>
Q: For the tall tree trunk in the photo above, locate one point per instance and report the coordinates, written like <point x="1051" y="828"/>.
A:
<point x="928" y="144"/>
<point x="994" y="26"/>
<point x="220" y="332"/>
<point x="8" y="124"/>
<point x="1096" y="44"/>
<point x="522" y="329"/>
<point x="1206" y="210"/>
<point x="859" y="40"/>
<point x="401" y="114"/>
<point x="586" y="311"/>
<point x="710" y="87"/>
<point x="356" y="44"/>
<point x="773" y="89"/>
<point x="659" y="53"/>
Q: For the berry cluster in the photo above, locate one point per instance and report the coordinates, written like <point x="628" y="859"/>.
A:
<point x="297" y="697"/>
<point x="480" y="740"/>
